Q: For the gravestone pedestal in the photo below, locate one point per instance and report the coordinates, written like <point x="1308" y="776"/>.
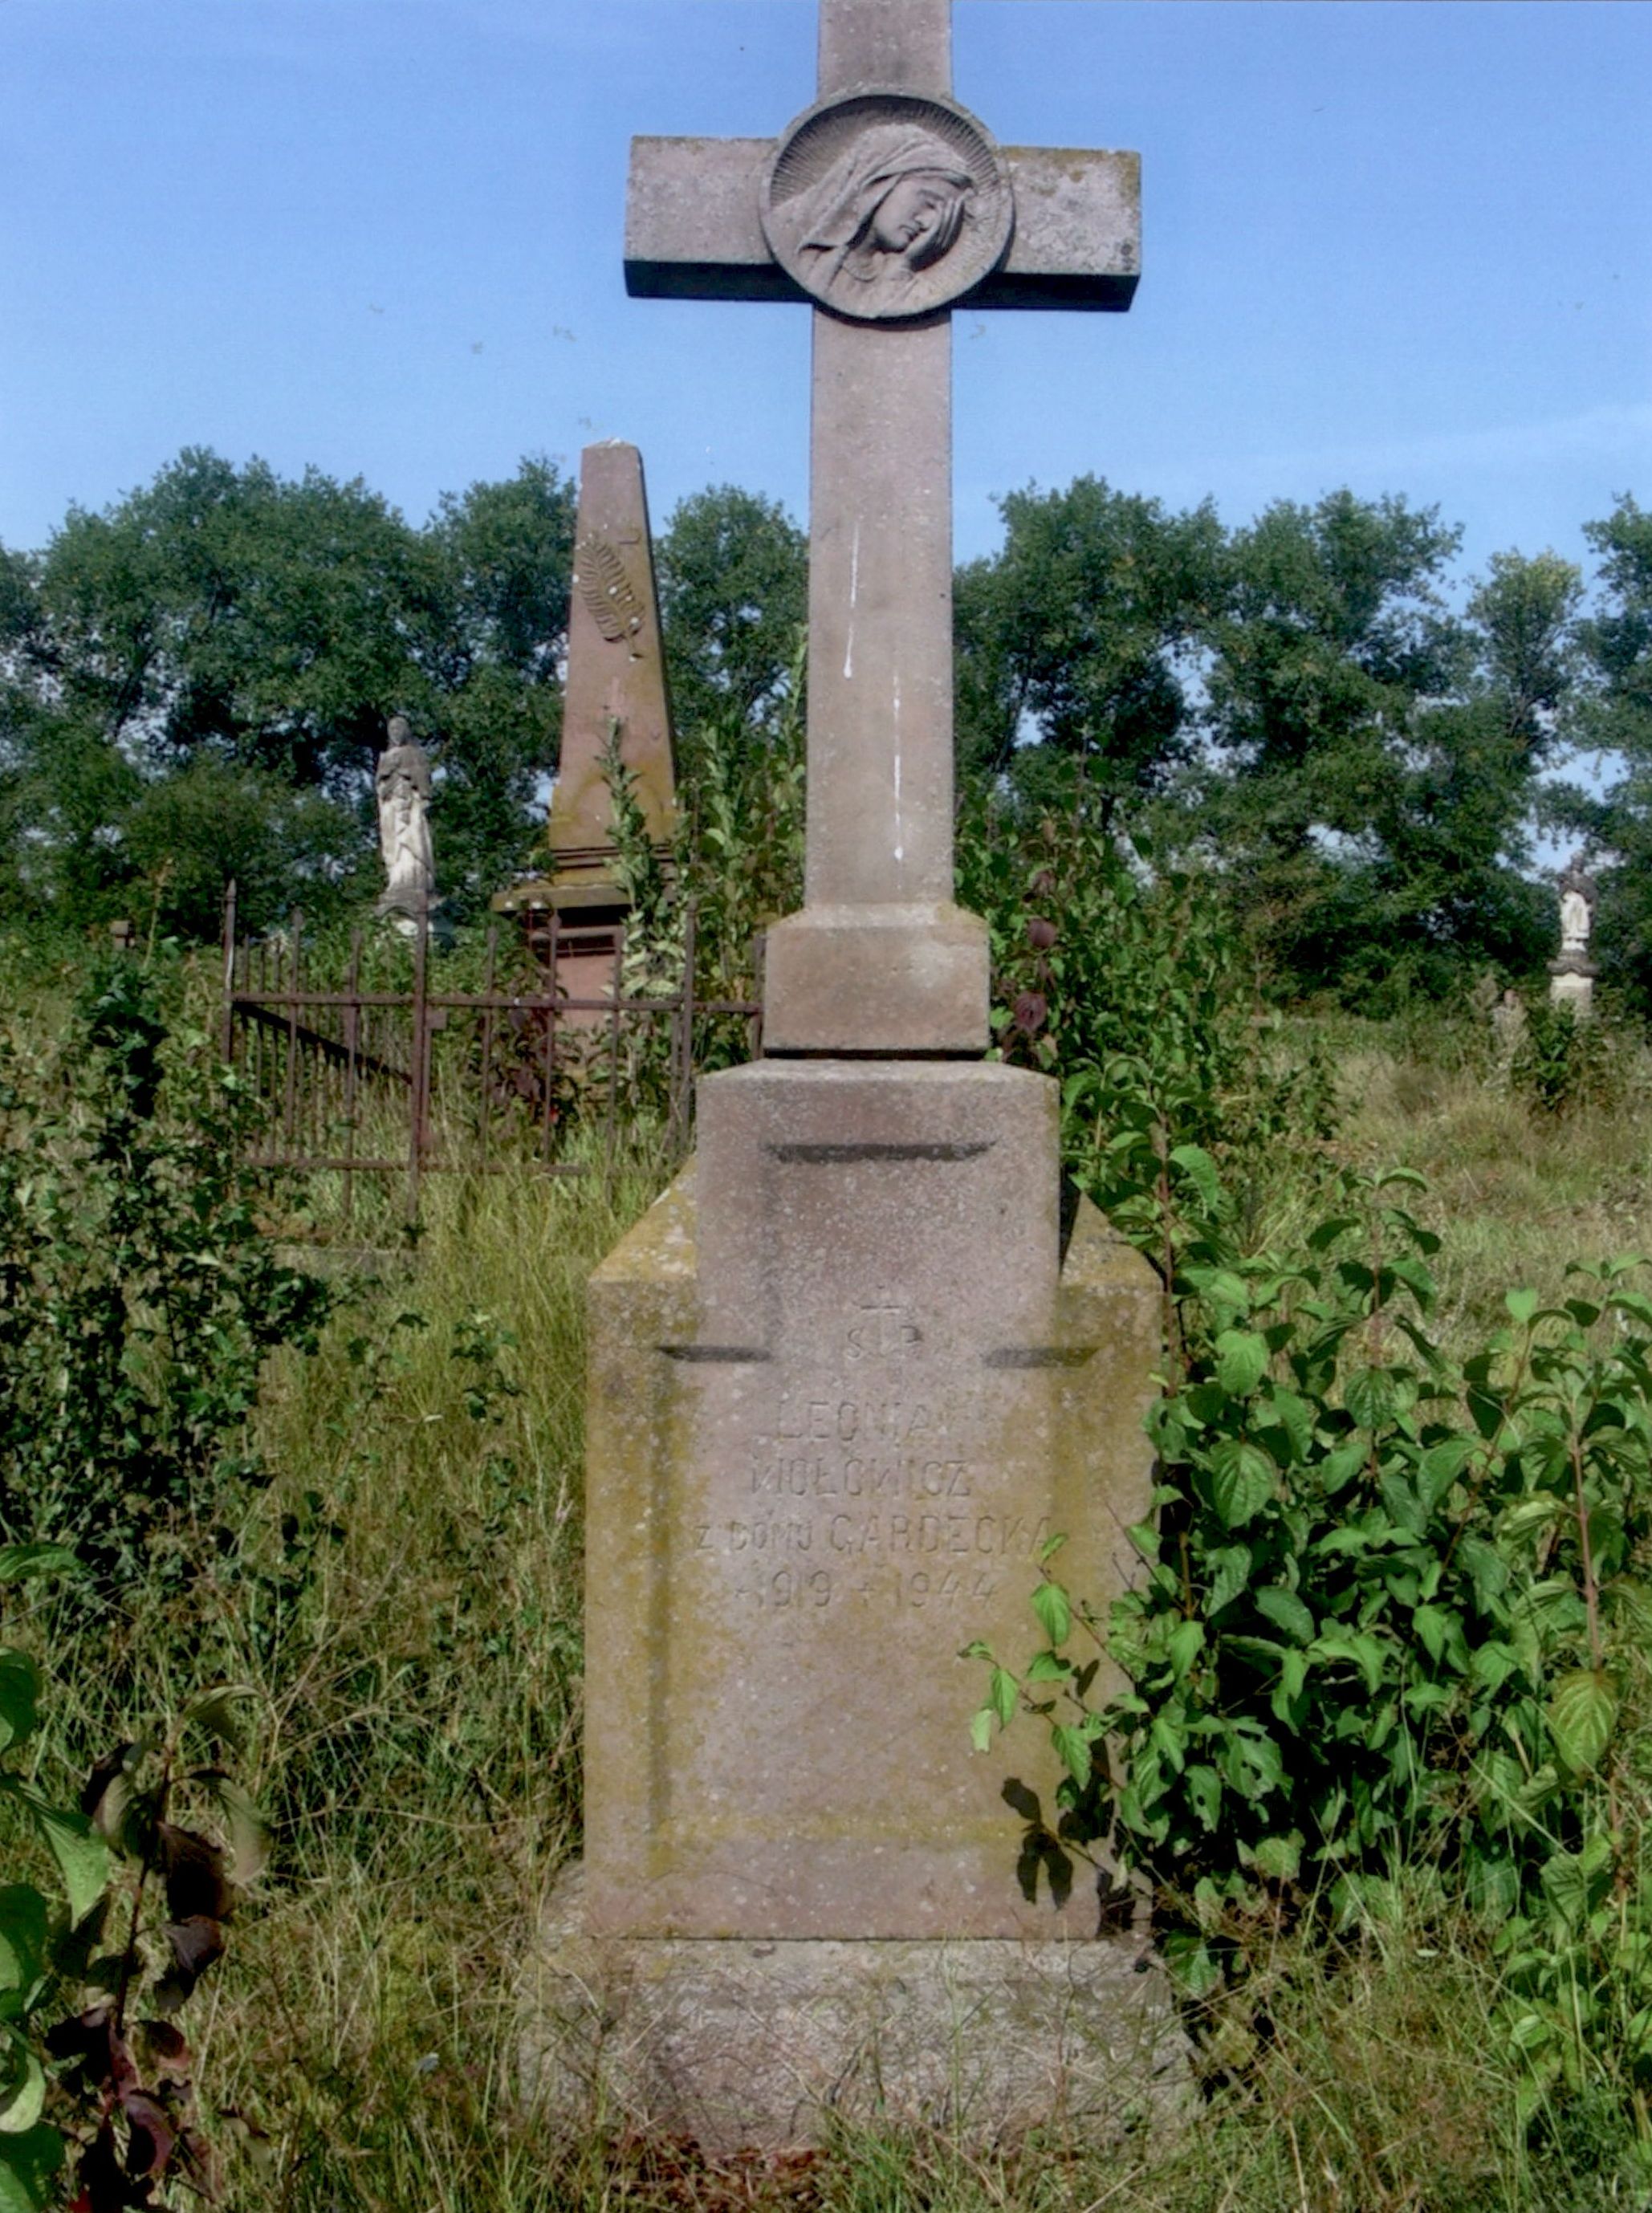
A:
<point x="846" y="1383"/>
<point x="821" y="1463"/>
<point x="1572" y="986"/>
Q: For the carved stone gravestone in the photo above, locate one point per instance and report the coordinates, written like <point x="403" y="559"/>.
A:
<point x="401" y="789"/>
<point x="614" y="692"/>
<point x="850" y="1374"/>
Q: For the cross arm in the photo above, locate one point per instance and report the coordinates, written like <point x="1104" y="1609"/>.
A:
<point x="693" y="232"/>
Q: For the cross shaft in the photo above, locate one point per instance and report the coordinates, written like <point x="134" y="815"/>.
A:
<point x="883" y="204"/>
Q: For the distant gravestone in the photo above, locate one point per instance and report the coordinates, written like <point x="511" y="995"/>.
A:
<point x="853" y="1373"/>
<point x="1572" y="973"/>
<point x="614" y="692"/>
<point x="1508" y="1028"/>
<point x="401" y="785"/>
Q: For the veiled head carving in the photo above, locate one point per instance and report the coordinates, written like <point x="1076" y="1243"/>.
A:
<point x="886" y="205"/>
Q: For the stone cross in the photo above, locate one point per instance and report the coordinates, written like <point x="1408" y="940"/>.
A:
<point x="885" y="205"/>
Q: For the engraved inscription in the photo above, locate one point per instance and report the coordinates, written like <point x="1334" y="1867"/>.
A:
<point x="606" y="586"/>
<point x="875" y="1482"/>
<point x="855" y="1475"/>
<point x="885" y="204"/>
<point x="771" y="1590"/>
<point x="882" y="1559"/>
<point x="967" y="1536"/>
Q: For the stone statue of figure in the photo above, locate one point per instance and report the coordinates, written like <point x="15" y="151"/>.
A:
<point x="1578" y="894"/>
<point x="889" y="207"/>
<point x="402" y="783"/>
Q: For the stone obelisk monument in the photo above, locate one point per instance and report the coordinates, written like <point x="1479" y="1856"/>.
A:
<point x="847" y="1378"/>
<point x="613" y="694"/>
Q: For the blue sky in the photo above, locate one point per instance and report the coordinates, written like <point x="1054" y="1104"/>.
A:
<point x="1404" y="247"/>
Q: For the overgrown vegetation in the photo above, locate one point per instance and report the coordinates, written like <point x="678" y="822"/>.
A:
<point x="1381" y="1754"/>
<point x="1388" y="1654"/>
<point x="138" y="1294"/>
<point x="1371" y="1736"/>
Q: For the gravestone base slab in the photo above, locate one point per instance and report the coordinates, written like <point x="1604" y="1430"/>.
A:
<point x="740" y="2043"/>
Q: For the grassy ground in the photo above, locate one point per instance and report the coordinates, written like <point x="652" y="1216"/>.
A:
<point x="411" y="1627"/>
<point x="1516" y="1194"/>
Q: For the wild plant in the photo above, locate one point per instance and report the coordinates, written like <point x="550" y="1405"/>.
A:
<point x="1388" y="1627"/>
<point x="102" y="2103"/>
<point x="1562" y="1065"/>
<point x="139" y="1293"/>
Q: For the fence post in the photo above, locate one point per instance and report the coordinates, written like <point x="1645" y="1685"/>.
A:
<point x="682" y="1071"/>
<point x="227" y="1016"/>
<point x="289" y="1108"/>
<point x="548" y="1095"/>
<point x="617" y="988"/>
<point x="420" y="1071"/>
<point x="353" y="1046"/>
<point x="485" y="1100"/>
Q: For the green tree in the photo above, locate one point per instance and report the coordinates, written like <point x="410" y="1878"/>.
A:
<point x="1374" y="753"/>
<point x="506" y="553"/>
<point x="188" y="834"/>
<point x="733" y="595"/>
<point x="226" y="627"/>
<point x="229" y="611"/>
<point x="1616" y="718"/>
<point x="195" y="683"/>
<point x="1618" y="636"/>
<point x="1081" y="635"/>
<point x="1457" y="838"/>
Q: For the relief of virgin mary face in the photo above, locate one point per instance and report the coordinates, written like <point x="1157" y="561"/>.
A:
<point x="866" y="201"/>
<point x="891" y="205"/>
<point x="920" y="218"/>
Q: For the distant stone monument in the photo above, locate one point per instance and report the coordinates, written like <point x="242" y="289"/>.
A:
<point x="1508" y="1028"/>
<point x="614" y="689"/>
<point x="854" y="1371"/>
<point x="401" y="785"/>
<point x="1572" y="973"/>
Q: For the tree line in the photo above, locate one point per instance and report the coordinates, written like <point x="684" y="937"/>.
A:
<point x="1362" y="745"/>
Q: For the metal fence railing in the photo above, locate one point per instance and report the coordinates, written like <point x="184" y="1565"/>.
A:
<point x="384" y="1068"/>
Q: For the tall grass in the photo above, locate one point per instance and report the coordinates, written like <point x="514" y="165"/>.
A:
<point x="406" y="1608"/>
<point x="1515" y="1193"/>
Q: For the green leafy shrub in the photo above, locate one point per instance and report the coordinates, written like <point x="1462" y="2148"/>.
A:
<point x="1392" y="1612"/>
<point x="139" y="1292"/>
<point x="35" y="1923"/>
<point x="1562" y="1065"/>
<point x="107" y="2093"/>
<point x="736" y="862"/>
<point x="1127" y="984"/>
<point x="741" y="850"/>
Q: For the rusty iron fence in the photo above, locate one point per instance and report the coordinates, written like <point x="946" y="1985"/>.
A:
<point x="370" y="1078"/>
